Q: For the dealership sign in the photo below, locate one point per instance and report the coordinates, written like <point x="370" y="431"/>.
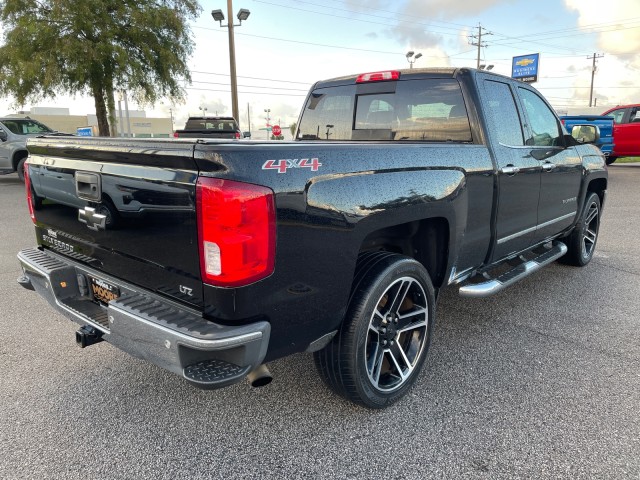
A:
<point x="525" y="67"/>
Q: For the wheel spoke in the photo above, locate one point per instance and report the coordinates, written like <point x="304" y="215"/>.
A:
<point x="413" y="320"/>
<point x="590" y="236"/>
<point x="376" y="368"/>
<point x="376" y="321"/>
<point x="399" y="358"/>
<point x="400" y="294"/>
<point x="593" y="213"/>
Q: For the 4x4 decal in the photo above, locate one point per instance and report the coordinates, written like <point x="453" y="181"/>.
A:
<point x="283" y="165"/>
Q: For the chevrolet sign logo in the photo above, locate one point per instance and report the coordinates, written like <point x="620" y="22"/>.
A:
<point x="95" y="221"/>
<point x="525" y="62"/>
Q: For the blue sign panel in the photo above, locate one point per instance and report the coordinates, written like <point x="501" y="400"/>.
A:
<point x="525" y="67"/>
<point x="84" y="132"/>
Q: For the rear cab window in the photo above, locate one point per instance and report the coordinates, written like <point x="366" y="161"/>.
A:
<point x="430" y="110"/>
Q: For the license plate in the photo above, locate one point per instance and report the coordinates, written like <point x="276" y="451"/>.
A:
<point x="103" y="292"/>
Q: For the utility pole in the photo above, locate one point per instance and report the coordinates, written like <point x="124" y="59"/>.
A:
<point x="479" y="43"/>
<point x="593" y="73"/>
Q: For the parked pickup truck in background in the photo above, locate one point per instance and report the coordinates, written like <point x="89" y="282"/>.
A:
<point x="399" y="184"/>
<point x="210" y="127"/>
<point x="626" y="131"/>
<point x="14" y="132"/>
<point x="605" y="127"/>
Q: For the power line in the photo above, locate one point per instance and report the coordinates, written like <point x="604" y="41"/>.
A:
<point x="305" y="43"/>
<point x="248" y="93"/>
<point x="255" y="86"/>
<point x="252" y="78"/>
<point x="386" y="23"/>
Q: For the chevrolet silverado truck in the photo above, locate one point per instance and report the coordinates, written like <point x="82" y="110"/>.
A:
<point x="210" y="127"/>
<point x="397" y="185"/>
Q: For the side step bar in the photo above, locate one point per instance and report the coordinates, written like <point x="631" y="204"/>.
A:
<point x="493" y="286"/>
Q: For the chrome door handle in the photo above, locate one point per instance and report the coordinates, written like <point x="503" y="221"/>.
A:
<point x="547" y="167"/>
<point x="509" y="170"/>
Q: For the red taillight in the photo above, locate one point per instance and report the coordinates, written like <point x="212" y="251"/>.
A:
<point x="236" y="231"/>
<point x="237" y="135"/>
<point x="27" y="186"/>
<point x="378" y="76"/>
<point x="175" y="134"/>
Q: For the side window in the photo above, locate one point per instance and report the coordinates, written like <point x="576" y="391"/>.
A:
<point x="635" y="116"/>
<point x="542" y="120"/>
<point x="618" y="115"/>
<point x="502" y="114"/>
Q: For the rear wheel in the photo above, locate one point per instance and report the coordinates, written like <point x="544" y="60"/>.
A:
<point x="582" y="241"/>
<point x="383" y="342"/>
<point x="20" y="168"/>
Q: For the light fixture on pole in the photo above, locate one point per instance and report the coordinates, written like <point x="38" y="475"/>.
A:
<point x="486" y="67"/>
<point x="412" y="57"/>
<point x="242" y="15"/>
<point x="204" y="111"/>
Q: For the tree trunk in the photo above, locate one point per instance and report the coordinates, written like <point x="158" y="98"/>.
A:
<point x="101" y="110"/>
<point x="111" y="104"/>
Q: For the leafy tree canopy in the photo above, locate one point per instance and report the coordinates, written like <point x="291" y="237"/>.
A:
<point x="96" y="47"/>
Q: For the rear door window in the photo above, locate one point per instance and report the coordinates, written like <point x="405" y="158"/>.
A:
<point x="502" y="114"/>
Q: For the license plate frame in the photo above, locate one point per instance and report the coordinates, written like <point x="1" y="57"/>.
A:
<point x="102" y="291"/>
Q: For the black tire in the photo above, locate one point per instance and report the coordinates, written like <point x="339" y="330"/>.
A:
<point x="37" y="201"/>
<point x="582" y="241"/>
<point x="379" y="351"/>
<point x="609" y="160"/>
<point x="107" y="208"/>
<point x="20" y="168"/>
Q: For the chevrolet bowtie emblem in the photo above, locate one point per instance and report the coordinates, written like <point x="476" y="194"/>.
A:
<point x="525" y="62"/>
<point x="95" y="221"/>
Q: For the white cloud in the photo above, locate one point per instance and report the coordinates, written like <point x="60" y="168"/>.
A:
<point x="618" y="38"/>
<point x="450" y="9"/>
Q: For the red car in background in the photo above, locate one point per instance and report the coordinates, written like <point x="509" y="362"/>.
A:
<point x="626" y="131"/>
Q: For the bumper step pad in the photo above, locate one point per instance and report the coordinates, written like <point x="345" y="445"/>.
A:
<point x="214" y="372"/>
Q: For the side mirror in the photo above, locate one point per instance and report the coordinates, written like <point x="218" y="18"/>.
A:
<point x="3" y="135"/>
<point x="246" y="134"/>
<point x="586" y="133"/>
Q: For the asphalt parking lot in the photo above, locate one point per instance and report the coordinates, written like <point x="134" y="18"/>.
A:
<point x="540" y="381"/>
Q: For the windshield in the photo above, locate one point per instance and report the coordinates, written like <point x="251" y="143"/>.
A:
<point x="21" y="126"/>
<point x="223" y="125"/>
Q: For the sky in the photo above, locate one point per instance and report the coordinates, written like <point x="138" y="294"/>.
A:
<point x="286" y="45"/>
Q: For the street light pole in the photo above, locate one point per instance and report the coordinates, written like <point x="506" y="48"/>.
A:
<point x="232" y="63"/>
<point x="218" y="16"/>
<point x="411" y="59"/>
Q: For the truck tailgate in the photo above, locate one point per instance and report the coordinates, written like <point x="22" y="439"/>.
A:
<point x="126" y="209"/>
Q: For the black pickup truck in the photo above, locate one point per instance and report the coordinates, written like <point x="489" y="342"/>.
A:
<point x="210" y="127"/>
<point x="211" y="258"/>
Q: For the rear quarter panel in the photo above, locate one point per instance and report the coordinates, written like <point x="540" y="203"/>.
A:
<point x="323" y="216"/>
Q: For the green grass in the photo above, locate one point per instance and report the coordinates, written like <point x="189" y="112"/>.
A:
<point x="628" y="160"/>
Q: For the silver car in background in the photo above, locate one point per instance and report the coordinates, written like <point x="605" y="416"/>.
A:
<point x="14" y="132"/>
